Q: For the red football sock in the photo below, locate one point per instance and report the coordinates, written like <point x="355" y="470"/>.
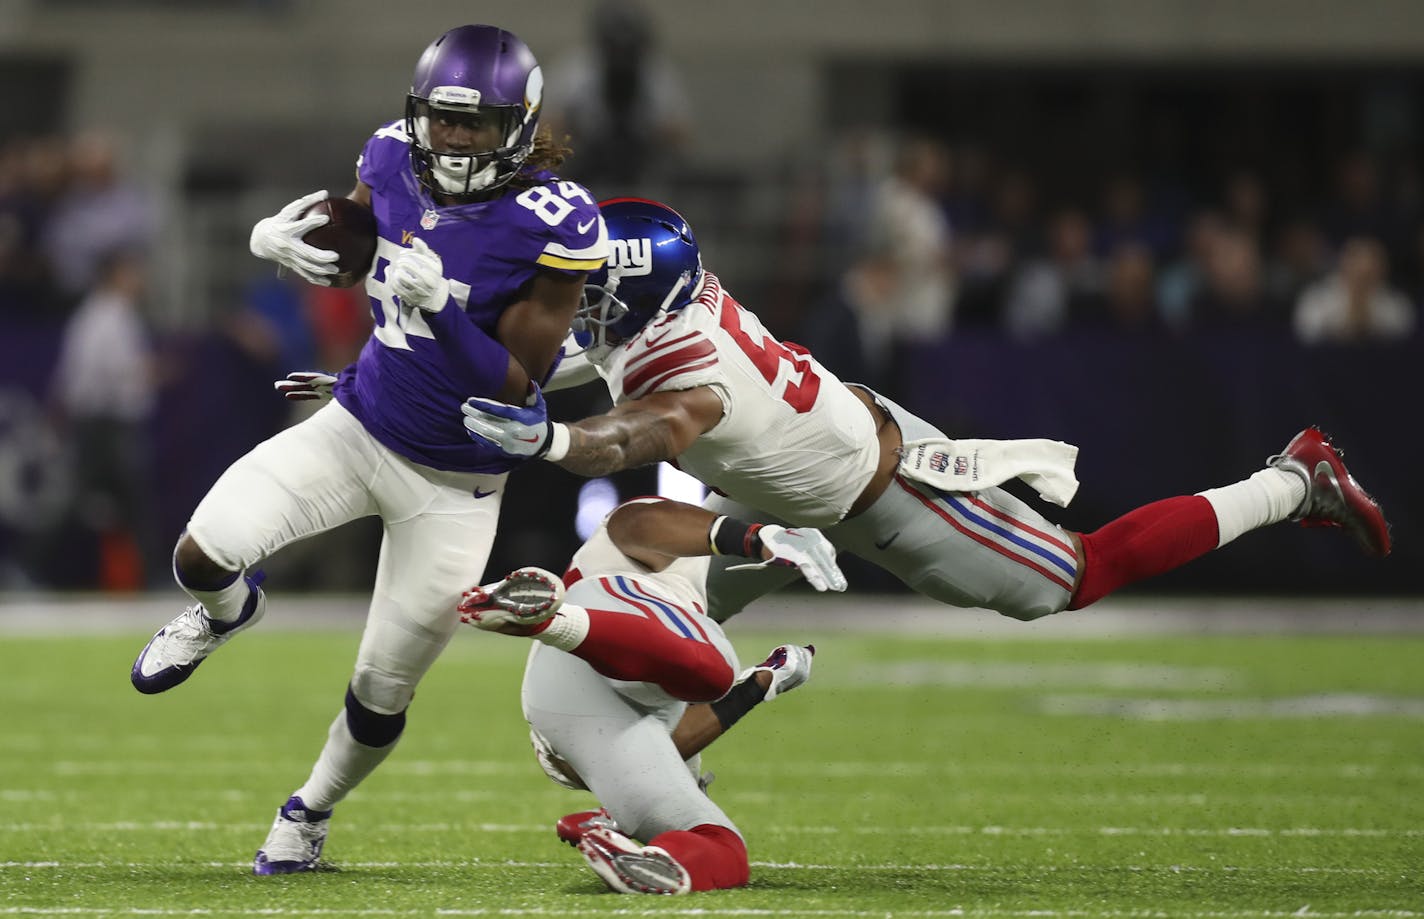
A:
<point x="714" y="856"/>
<point x="1155" y="538"/>
<point x="627" y="647"/>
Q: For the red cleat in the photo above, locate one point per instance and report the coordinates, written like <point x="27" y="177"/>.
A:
<point x="573" y="827"/>
<point x="527" y="598"/>
<point x="628" y="867"/>
<point x="1332" y="496"/>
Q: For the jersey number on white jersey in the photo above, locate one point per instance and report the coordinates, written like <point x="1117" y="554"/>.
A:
<point x="802" y="385"/>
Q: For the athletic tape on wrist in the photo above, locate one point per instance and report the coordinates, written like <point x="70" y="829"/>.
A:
<point x="558" y="442"/>
<point x="712" y="534"/>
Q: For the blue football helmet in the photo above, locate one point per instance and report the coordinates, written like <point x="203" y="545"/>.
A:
<point x="481" y="77"/>
<point x="654" y="267"/>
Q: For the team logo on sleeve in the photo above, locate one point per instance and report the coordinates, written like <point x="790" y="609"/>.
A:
<point x="429" y="219"/>
<point x="940" y="462"/>
<point x="631" y="258"/>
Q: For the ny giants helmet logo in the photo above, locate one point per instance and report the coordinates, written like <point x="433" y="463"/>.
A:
<point x="631" y="258"/>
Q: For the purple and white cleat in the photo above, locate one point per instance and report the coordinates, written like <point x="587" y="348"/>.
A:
<point x="171" y="655"/>
<point x="295" y="842"/>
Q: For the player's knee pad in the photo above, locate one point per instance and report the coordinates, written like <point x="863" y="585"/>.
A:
<point x="1026" y="612"/>
<point x="375" y="706"/>
<point x="1016" y="602"/>
<point x="381" y="691"/>
<point x="370" y="728"/>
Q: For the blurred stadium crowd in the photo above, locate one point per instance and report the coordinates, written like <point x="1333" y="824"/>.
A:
<point x="939" y="238"/>
<point x="877" y="246"/>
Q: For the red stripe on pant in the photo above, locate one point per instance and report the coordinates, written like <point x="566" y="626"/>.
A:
<point x="623" y="646"/>
<point x="714" y="856"/>
<point x="1149" y="541"/>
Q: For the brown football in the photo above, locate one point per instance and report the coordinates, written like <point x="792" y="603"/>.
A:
<point x="351" y="234"/>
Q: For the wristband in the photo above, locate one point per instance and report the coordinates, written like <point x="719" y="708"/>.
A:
<point x="558" y="442"/>
<point x="742" y="698"/>
<point x="730" y="536"/>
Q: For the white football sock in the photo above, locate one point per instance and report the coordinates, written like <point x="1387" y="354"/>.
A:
<point x="567" y="629"/>
<point x="224" y="604"/>
<point x="1267" y="497"/>
<point x="344" y="763"/>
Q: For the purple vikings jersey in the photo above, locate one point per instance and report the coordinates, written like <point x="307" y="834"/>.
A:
<point x="418" y="368"/>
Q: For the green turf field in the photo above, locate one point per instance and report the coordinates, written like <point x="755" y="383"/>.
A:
<point x="1166" y="776"/>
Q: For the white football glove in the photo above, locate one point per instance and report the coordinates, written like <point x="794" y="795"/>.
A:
<point x="802" y="548"/>
<point x="306" y="386"/>
<point x="417" y="277"/>
<point x="789" y="666"/>
<point x="279" y="239"/>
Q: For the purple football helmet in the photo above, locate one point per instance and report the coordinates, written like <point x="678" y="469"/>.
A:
<point x="654" y="267"/>
<point x="482" y="79"/>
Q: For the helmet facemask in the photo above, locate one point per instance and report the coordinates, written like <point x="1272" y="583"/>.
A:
<point x="603" y="321"/>
<point x="598" y="309"/>
<point x="468" y="173"/>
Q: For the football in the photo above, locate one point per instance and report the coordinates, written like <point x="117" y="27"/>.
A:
<point x="351" y="234"/>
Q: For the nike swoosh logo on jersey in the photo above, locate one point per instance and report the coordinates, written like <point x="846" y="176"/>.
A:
<point x="882" y="546"/>
<point x="653" y="339"/>
<point x="585" y="227"/>
<point x="481" y="493"/>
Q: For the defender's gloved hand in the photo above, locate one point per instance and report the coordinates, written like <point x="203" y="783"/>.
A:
<point x="306" y="386"/>
<point x="804" y="548"/>
<point x="518" y="431"/>
<point x="789" y="666"/>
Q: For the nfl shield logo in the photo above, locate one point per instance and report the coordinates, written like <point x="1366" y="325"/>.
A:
<point x="429" y="219"/>
<point x="939" y="461"/>
<point x="961" y="465"/>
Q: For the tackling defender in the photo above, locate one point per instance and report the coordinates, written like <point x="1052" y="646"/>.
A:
<point x="480" y="264"/>
<point x="696" y="378"/>
<point x="619" y="657"/>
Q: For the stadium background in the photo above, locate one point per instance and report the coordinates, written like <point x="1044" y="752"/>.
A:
<point x="221" y="111"/>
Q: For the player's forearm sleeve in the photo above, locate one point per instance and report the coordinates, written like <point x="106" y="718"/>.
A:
<point x="473" y="353"/>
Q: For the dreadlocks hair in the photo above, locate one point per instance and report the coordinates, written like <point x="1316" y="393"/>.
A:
<point x="547" y="153"/>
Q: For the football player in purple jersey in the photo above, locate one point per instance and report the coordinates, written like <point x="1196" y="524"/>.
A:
<point x="480" y="265"/>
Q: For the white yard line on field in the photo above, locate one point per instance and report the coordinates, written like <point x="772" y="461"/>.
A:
<point x="880" y="771"/>
<point x="775" y="866"/>
<point x="967" y="913"/>
<point x="1230" y="832"/>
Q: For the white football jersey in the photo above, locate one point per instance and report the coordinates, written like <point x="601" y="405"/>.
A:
<point x="685" y="578"/>
<point x="793" y="441"/>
